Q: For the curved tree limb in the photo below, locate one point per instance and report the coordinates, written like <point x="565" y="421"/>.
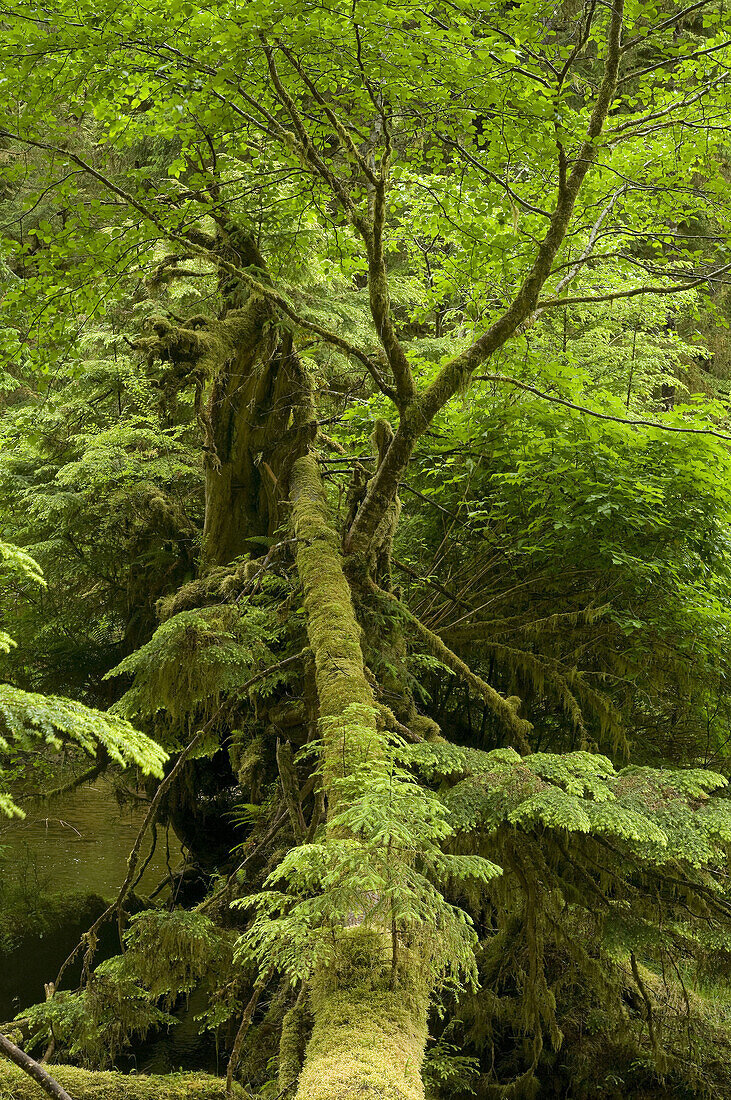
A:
<point x="419" y="414"/>
<point x="593" y="412"/>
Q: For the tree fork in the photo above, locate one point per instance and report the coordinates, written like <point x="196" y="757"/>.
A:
<point x="422" y="409"/>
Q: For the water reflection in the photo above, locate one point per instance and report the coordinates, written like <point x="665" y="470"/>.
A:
<point x="81" y="842"/>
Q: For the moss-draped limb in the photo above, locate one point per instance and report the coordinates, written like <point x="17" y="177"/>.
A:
<point x="256" y="383"/>
<point x="504" y="709"/>
<point x="368" y="1038"/>
<point x="290" y="788"/>
<point x="293" y="1040"/>
<point x="247" y="381"/>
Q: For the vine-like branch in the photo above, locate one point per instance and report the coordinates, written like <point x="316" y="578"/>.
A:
<point x="639" y="423"/>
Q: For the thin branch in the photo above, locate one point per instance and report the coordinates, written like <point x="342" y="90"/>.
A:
<point x="672" y="61"/>
<point x="576" y="267"/>
<point x="190" y="240"/>
<point x="372" y="233"/>
<point x="338" y="126"/>
<point x="592" y="239"/>
<point x="88" y="776"/>
<point x="599" y="415"/>
<point x="431" y="583"/>
<point x="496" y="179"/>
<point x="549" y="303"/>
<point x="33" y="1069"/>
<point x="414" y="422"/>
<point x="643" y="38"/>
<point x="304" y="143"/>
<point x="89" y="937"/>
<point x="243" y="1028"/>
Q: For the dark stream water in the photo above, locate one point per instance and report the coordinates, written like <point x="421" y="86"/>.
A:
<point x="80" y="843"/>
<point x="77" y="846"/>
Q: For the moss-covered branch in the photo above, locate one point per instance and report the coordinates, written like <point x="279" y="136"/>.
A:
<point x="332" y="628"/>
<point x="505" y="710"/>
<point x="369" y="1033"/>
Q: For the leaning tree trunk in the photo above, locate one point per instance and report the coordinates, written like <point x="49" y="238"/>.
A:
<point x="369" y="1027"/>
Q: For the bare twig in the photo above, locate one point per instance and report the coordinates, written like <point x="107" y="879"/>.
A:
<point x="243" y="1028"/>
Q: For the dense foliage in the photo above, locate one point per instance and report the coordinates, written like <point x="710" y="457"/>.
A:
<point x="365" y="418"/>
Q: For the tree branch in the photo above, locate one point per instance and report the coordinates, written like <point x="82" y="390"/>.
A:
<point x="305" y="146"/>
<point x="33" y="1069"/>
<point x="549" y="303"/>
<point x="599" y="415"/>
<point x="243" y="1028"/>
<point x="190" y="240"/>
<point x="419" y="414"/>
<point x="504" y="709"/>
<point x="371" y="232"/>
<point x="496" y="179"/>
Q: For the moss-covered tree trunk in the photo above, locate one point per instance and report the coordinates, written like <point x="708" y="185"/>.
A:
<point x="255" y="382"/>
<point x="369" y="1027"/>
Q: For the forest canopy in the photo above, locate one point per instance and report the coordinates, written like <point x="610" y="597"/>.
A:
<point x="365" y="487"/>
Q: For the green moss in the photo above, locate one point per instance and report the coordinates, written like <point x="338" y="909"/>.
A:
<point x="295" y="1029"/>
<point x="87" y="1085"/>
<point x="332" y="628"/>
<point x="365" y="1042"/>
<point x="425" y="727"/>
<point x="369" y="1029"/>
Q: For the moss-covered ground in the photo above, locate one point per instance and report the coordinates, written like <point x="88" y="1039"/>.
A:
<point x="83" y="1084"/>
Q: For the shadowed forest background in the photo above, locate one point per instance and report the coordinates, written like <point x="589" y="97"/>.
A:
<point x="365" y="560"/>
